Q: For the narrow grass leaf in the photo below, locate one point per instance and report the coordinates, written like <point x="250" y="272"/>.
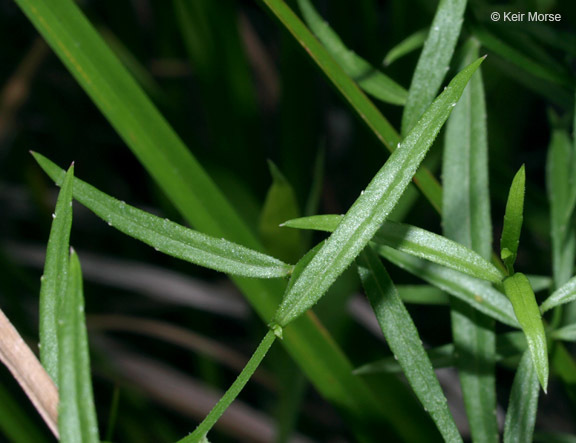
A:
<point x="566" y="333"/>
<point x="422" y="295"/>
<point x="402" y="337"/>
<point x="513" y="218"/>
<point x="169" y="237"/>
<point x="77" y="416"/>
<point x="352" y="93"/>
<point x="200" y="433"/>
<point x="466" y="219"/>
<point x="370" y="79"/>
<point x="523" y="300"/>
<point x="477" y="293"/>
<point x="280" y="205"/>
<point x="371" y="208"/>
<point x="523" y="405"/>
<point x="508" y="345"/>
<point x="434" y="60"/>
<point x="561" y="184"/>
<point x="415" y="241"/>
<point x="54" y="279"/>
<point x="564" y="294"/>
<point x="406" y="46"/>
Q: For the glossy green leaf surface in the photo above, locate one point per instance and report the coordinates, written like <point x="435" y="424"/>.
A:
<point x="371" y="208"/>
<point x="477" y="293"/>
<point x="523" y="300"/>
<point x="466" y="220"/>
<point x="406" y="46"/>
<point x="434" y="60"/>
<point x="523" y="405"/>
<point x="415" y="241"/>
<point x="55" y="277"/>
<point x="77" y="416"/>
<point x="513" y="218"/>
<point x="370" y="79"/>
<point x="169" y="237"/>
<point x="404" y="341"/>
<point x="564" y="294"/>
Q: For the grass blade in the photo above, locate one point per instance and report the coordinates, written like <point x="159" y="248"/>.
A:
<point x="169" y="237"/>
<point x="521" y="414"/>
<point x="513" y="218"/>
<point x="434" y="60"/>
<point x="560" y="178"/>
<point x="372" y="207"/>
<point x="55" y="277"/>
<point x="406" y="46"/>
<point x="564" y="294"/>
<point x="77" y="417"/>
<point x="402" y="337"/>
<point x="199" y="434"/>
<point x="422" y="295"/>
<point x="474" y="292"/>
<point x="466" y="219"/>
<point x="414" y="241"/>
<point x="352" y="93"/>
<point x="523" y="300"/>
<point x="368" y="78"/>
<point x="567" y="333"/>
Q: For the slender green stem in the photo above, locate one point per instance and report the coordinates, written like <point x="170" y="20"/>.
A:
<point x="203" y="428"/>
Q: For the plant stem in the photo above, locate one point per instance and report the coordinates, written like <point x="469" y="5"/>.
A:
<point x="203" y="428"/>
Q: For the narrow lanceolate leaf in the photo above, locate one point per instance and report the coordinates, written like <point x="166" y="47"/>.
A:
<point x="368" y="78"/>
<point x="169" y="237"/>
<point x="434" y="60"/>
<point x="560" y="178"/>
<point x="513" y="218"/>
<point x="567" y="333"/>
<point x="521" y="414"/>
<point x="466" y="219"/>
<point x="54" y="279"/>
<point x="565" y="294"/>
<point x="402" y="337"/>
<point x="77" y="416"/>
<point x="477" y="293"/>
<point x="371" y="208"/>
<point x="414" y="241"/>
<point x="406" y="46"/>
<point x="526" y="309"/>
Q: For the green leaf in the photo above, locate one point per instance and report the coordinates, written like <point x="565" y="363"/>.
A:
<point x="434" y="60"/>
<point x="402" y="337"/>
<point x="422" y="295"/>
<point x="523" y="300"/>
<point x="352" y="93"/>
<point x="567" y="333"/>
<point x="466" y="219"/>
<point x="507" y="345"/>
<point x="561" y="184"/>
<point x="565" y="294"/>
<point x="55" y="277"/>
<point x="169" y="237"/>
<point x="554" y="437"/>
<point x="513" y="218"/>
<point x="371" y="208"/>
<point x="280" y="205"/>
<point x="523" y="405"/>
<point x="414" y="241"/>
<point x="477" y="293"/>
<point x="77" y="416"/>
<point x="411" y="43"/>
<point x="368" y="78"/>
<point x="16" y="422"/>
